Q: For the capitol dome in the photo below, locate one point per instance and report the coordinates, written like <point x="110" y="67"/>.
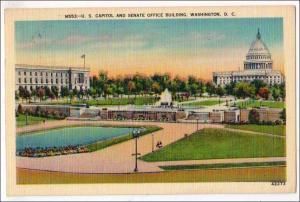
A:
<point x="258" y="56"/>
<point x="258" y="47"/>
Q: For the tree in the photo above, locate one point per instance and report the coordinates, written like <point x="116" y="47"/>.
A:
<point x="41" y="93"/>
<point x="258" y="84"/>
<point x="47" y="91"/>
<point x="253" y="116"/>
<point x="120" y="91"/>
<point x="131" y="87"/>
<point x="93" y="92"/>
<point x="27" y="94"/>
<point x="34" y="94"/>
<point x="17" y="95"/>
<point x="275" y="93"/>
<point x="156" y="88"/>
<point x="101" y="82"/>
<point x="21" y="92"/>
<point x="282" y="90"/>
<point x="81" y="93"/>
<point x="192" y="85"/>
<point x="264" y="92"/>
<point x="243" y="89"/>
<point x="220" y="91"/>
<point x="74" y="93"/>
<point x="64" y="91"/>
<point x="51" y="95"/>
<point x="229" y="88"/>
<point x="210" y="88"/>
<point x="110" y="90"/>
<point x="54" y="90"/>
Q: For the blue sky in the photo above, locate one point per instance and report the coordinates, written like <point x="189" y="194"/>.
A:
<point x="182" y="39"/>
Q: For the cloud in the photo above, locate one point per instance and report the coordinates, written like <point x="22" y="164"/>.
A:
<point x="130" y="41"/>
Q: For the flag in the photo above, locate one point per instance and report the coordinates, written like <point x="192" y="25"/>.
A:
<point x="83" y="56"/>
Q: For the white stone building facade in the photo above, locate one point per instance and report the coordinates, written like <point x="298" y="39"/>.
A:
<point x="257" y="66"/>
<point x="33" y="76"/>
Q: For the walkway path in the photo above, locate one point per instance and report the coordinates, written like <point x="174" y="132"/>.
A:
<point x="114" y="159"/>
<point x="216" y="161"/>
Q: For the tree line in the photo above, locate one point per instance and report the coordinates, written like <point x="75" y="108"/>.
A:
<point x="137" y="84"/>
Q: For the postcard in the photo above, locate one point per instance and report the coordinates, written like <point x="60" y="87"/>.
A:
<point x="156" y="100"/>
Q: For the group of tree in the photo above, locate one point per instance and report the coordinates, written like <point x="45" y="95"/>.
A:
<point x="138" y="84"/>
<point x="256" y="89"/>
<point x="44" y="92"/>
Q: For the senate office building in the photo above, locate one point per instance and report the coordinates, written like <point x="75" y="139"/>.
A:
<point x="31" y="77"/>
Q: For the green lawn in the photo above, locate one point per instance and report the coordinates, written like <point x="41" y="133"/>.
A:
<point x="106" y="143"/>
<point x="109" y="101"/>
<point x="21" y="120"/>
<point x="257" y="103"/>
<point x="219" y="144"/>
<point x="203" y="103"/>
<point x="276" y="129"/>
<point x="223" y="165"/>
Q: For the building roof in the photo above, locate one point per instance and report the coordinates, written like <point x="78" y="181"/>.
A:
<point x="28" y="66"/>
<point x="258" y="47"/>
<point x="248" y="73"/>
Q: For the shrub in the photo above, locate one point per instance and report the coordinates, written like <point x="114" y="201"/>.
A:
<point x="20" y="109"/>
<point x="283" y="115"/>
<point x="253" y="116"/>
<point x="46" y="114"/>
<point x="38" y="111"/>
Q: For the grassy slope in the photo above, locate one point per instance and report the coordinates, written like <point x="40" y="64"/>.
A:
<point x="223" y="165"/>
<point x="278" y="129"/>
<point x="21" y="120"/>
<point x="220" y="175"/>
<point x="219" y="144"/>
<point x="256" y="103"/>
<point x="203" y="103"/>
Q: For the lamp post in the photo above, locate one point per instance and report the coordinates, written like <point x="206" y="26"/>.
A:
<point x="26" y="118"/>
<point x="152" y="142"/>
<point x="273" y="125"/>
<point x="136" y="134"/>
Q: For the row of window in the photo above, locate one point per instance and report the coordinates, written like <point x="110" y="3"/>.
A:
<point x="252" y="77"/>
<point x="36" y="87"/>
<point x="270" y="81"/>
<point x="42" y="73"/>
<point x="42" y="80"/>
<point x="258" y="66"/>
<point x="257" y="57"/>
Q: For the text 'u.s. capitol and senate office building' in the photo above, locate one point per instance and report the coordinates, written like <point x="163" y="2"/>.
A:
<point x="257" y="66"/>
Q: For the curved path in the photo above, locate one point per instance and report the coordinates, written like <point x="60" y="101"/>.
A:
<point x="114" y="159"/>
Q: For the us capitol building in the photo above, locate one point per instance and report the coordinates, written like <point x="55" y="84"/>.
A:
<point x="32" y="76"/>
<point x="257" y="66"/>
